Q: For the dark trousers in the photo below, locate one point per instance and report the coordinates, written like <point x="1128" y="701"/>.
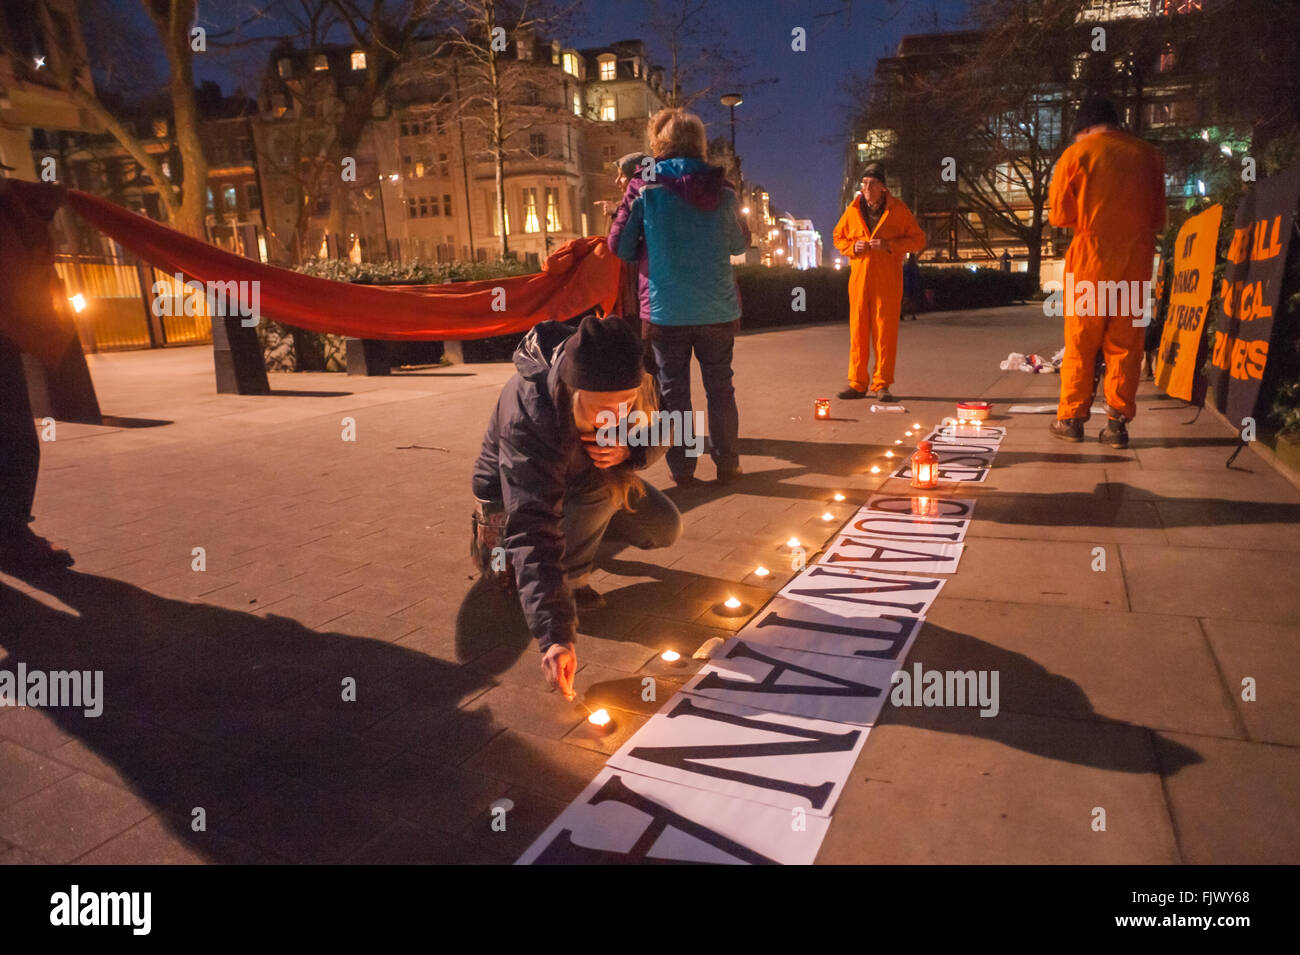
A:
<point x="591" y="514"/>
<point x="20" y="448"/>
<point x="712" y="344"/>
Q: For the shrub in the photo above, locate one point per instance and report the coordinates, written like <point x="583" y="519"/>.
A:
<point x="766" y="294"/>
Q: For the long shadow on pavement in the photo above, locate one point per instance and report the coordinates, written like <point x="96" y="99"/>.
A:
<point x="245" y="717"/>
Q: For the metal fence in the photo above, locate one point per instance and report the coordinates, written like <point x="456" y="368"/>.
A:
<point x="119" y="306"/>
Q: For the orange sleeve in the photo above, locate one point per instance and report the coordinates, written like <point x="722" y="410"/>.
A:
<point x="841" y="234"/>
<point x="1062" y="202"/>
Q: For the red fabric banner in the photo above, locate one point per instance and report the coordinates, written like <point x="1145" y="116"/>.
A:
<point x="579" y="276"/>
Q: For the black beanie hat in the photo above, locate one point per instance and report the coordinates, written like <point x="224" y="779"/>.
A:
<point x="1094" y="111"/>
<point x="604" y="354"/>
<point x="874" y="170"/>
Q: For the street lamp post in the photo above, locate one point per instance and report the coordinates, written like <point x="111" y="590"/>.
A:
<point x="731" y="101"/>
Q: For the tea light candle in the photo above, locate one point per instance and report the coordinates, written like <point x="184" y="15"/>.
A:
<point x="761" y="571"/>
<point x="792" y="543"/>
<point x="898" y="441"/>
<point x="822" y="409"/>
<point x="889" y="454"/>
<point x="731" y="607"/>
<point x="600" y="721"/>
<point x="828" y="516"/>
<point x="839" y="496"/>
<point x="671" y="657"/>
<point x="875" y="469"/>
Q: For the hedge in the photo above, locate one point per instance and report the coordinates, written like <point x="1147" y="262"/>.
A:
<point x="768" y="295"/>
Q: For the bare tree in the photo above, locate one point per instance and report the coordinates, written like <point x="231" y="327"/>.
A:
<point x="183" y="191"/>
<point x="494" y="90"/>
<point x="702" y="63"/>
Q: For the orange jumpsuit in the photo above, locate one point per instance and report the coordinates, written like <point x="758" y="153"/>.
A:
<point x="1110" y="188"/>
<point x="876" y="288"/>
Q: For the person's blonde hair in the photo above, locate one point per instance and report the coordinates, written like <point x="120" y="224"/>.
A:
<point x="622" y="482"/>
<point x="675" y="133"/>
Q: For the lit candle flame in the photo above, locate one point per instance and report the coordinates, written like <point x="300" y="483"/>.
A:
<point x="670" y="656"/>
<point x="908" y="433"/>
<point x="599" y="718"/>
<point x="889" y="454"/>
<point x="792" y="542"/>
<point x="731" y="603"/>
<point x="761" y="571"/>
<point x="875" y="470"/>
<point x="828" y="516"/>
<point x="898" y="441"/>
<point x="78" y="302"/>
<point x="839" y="497"/>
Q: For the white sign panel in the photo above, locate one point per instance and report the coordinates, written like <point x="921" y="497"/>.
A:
<point x="817" y="629"/>
<point x="815" y="685"/>
<point x="623" y="818"/>
<point x="874" y="553"/>
<point x="923" y="505"/>
<point x="864" y="593"/>
<point x="774" y="758"/>
<point x="906" y="527"/>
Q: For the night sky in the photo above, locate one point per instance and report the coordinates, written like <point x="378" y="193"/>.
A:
<point x="790" y="133"/>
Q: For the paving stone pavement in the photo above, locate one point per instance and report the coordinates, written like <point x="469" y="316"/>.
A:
<point x="334" y="564"/>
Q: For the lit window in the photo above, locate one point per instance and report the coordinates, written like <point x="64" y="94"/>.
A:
<point x="358" y="60"/>
<point x="555" y="53"/>
<point x="228" y="197"/>
<point x="530" y="211"/>
<point x="160" y="129"/>
<point x="577" y="103"/>
<point x="419" y="170"/>
<point x="321" y="63"/>
<point x="570" y="61"/>
<point x="552" y="210"/>
<point x="607" y="113"/>
<point x="608" y="68"/>
<point x="285" y="67"/>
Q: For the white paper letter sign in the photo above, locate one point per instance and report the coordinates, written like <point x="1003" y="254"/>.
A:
<point x="773" y="758"/>
<point x="818" y="629"/>
<point x="862" y="592"/>
<point x="816" y="685"/>
<point x="622" y="818"/>
<point x="874" y="553"/>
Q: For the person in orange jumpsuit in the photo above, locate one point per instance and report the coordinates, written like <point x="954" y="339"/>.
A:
<point x="1109" y="187"/>
<point x="875" y="233"/>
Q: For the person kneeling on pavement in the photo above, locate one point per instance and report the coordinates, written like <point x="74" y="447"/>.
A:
<point x="550" y="486"/>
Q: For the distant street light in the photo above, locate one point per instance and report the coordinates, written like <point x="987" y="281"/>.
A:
<point x="731" y="101"/>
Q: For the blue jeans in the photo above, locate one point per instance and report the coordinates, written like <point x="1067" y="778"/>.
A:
<point x="672" y="345"/>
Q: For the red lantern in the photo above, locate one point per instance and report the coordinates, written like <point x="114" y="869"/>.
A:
<point x="822" y="409"/>
<point x="925" y="467"/>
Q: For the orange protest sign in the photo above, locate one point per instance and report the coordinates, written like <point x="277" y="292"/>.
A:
<point x="1189" y="294"/>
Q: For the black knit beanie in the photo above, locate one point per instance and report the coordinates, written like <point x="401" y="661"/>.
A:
<point x="604" y="354"/>
<point x="874" y="170"/>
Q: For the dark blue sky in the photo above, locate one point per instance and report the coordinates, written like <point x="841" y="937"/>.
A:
<point x="790" y="134"/>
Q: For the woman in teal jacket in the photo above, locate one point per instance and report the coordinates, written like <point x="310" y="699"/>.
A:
<point x="686" y="219"/>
